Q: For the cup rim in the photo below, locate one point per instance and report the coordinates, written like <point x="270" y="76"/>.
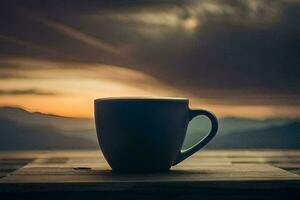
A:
<point x="141" y="99"/>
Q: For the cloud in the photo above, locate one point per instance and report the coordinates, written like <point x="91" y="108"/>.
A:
<point x="35" y="92"/>
<point x="34" y="46"/>
<point x="77" y="76"/>
<point x="78" y="35"/>
<point x="244" y="51"/>
<point x="24" y="43"/>
<point x="176" y="14"/>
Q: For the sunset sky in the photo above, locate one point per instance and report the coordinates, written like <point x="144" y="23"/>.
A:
<point x="235" y="57"/>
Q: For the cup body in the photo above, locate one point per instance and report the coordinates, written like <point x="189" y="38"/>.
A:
<point x="141" y="134"/>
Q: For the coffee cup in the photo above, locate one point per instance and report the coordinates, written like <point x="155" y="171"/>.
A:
<point x="146" y="134"/>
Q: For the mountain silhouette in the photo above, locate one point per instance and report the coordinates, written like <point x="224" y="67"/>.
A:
<point x="17" y="136"/>
<point x="20" y="129"/>
<point x="69" y="126"/>
<point x="37" y="118"/>
<point x="285" y="136"/>
<point x="198" y="128"/>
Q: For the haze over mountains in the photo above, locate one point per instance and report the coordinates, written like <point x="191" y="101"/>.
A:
<point x="285" y="136"/>
<point x="18" y="136"/>
<point x="237" y="132"/>
<point x="20" y="129"/>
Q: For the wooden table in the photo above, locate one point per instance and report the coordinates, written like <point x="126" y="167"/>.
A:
<point x="209" y="174"/>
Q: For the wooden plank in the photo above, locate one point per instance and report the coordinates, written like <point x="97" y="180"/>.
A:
<point x="208" y="173"/>
<point x="90" y="167"/>
<point x="101" y="173"/>
<point x="52" y="153"/>
<point x="97" y="153"/>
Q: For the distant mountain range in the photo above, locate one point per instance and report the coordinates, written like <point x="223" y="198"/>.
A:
<point x="20" y="129"/>
<point x="246" y="133"/>
<point x="285" y="136"/>
<point x="17" y="136"/>
<point x="69" y="126"/>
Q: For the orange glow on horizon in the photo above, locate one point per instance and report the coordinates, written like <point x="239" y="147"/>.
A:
<point x="75" y="106"/>
<point x="74" y="86"/>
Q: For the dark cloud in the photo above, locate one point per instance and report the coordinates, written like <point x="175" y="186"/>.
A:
<point x="236" y="45"/>
<point x="11" y="75"/>
<point x="26" y="92"/>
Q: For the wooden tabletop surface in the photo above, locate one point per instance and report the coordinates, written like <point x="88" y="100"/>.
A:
<point x="59" y="171"/>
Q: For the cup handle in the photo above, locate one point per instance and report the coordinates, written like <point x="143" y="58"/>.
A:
<point x="183" y="154"/>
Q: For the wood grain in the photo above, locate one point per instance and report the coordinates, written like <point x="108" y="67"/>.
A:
<point x="87" y="170"/>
